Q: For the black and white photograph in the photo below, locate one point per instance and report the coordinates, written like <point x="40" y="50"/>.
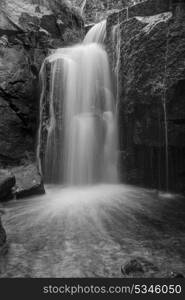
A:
<point x="92" y="139"/>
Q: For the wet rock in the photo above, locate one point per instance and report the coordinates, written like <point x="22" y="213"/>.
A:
<point x="28" y="181"/>
<point x="138" y="266"/>
<point x="89" y="26"/>
<point x="7" y="182"/>
<point x="151" y="77"/>
<point x="152" y="7"/>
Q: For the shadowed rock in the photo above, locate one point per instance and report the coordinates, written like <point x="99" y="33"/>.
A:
<point x="138" y="266"/>
<point x="27" y="32"/>
<point x="176" y="275"/>
<point x="7" y="182"/>
<point x="147" y="57"/>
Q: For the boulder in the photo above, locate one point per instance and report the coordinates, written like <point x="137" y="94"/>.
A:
<point x="28" y="181"/>
<point x="7" y="182"/>
<point x="138" y="266"/>
<point x="146" y="50"/>
<point x="133" y="266"/>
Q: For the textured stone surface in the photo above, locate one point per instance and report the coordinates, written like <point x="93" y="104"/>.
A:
<point x="138" y="266"/>
<point x="150" y="67"/>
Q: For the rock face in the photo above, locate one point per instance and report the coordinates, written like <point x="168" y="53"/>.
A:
<point x="146" y="45"/>
<point x="28" y="31"/>
<point x="96" y="10"/>
<point x="7" y="182"/>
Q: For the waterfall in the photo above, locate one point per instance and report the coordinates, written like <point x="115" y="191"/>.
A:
<point x="97" y="34"/>
<point x="81" y="145"/>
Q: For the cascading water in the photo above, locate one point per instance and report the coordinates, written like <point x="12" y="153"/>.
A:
<point x="82" y="133"/>
<point x="97" y="34"/>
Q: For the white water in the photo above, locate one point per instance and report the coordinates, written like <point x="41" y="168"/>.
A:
<point x="97" y="34"/>
<point x="82" y="133"/>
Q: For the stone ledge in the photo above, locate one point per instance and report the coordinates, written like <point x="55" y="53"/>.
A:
<point x="28" y="181"/>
